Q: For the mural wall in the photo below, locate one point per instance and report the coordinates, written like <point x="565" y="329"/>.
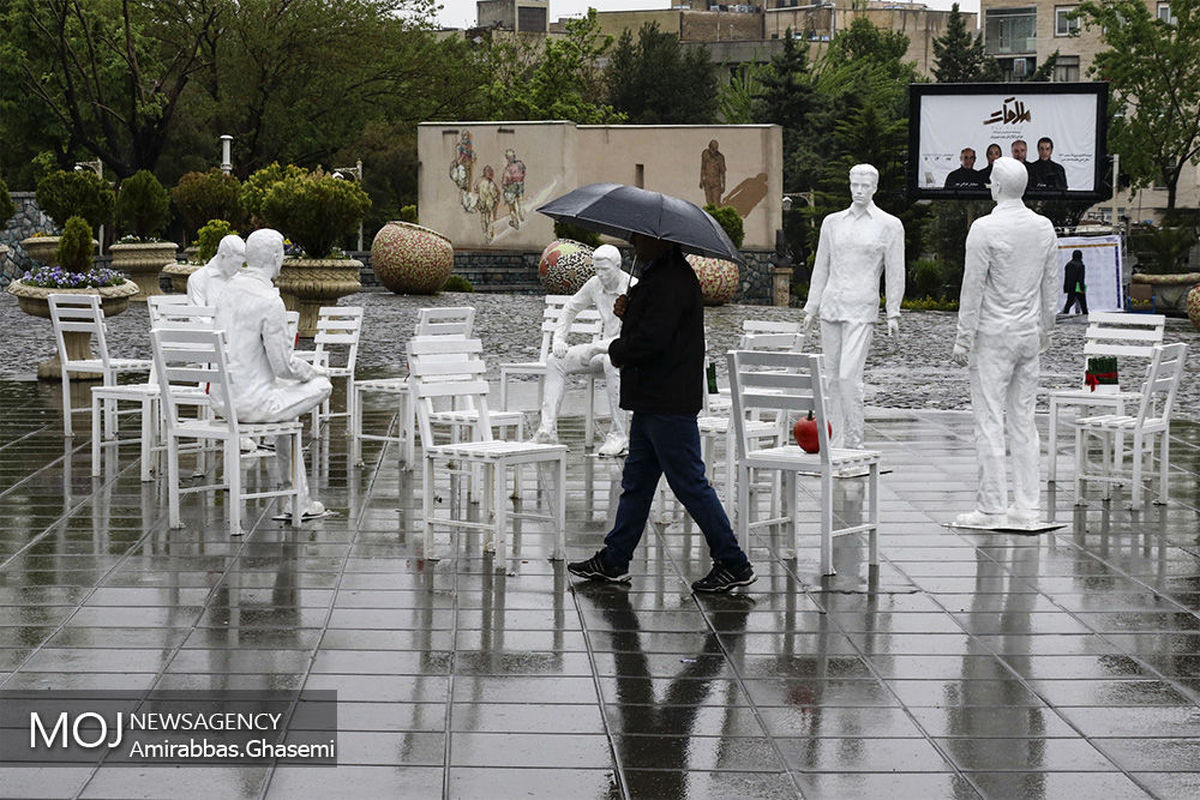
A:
<point x="480" y="182"/>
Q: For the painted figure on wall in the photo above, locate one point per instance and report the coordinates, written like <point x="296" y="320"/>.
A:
<point x="512" y="188"/>
<point x="462" y="168"/>
<point x="488" y="197"/>
<point x="712" y="173"/>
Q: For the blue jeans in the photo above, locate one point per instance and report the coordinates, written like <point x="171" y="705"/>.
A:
<point x="670" y="444"/>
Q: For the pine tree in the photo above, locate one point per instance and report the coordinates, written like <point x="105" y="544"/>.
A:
<point x="960" y="56"/>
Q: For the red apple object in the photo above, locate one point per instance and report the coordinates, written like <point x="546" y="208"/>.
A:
<point x="805" y="432"/>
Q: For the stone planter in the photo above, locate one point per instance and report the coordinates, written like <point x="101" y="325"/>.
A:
<point x="114" y="300"/>
<point x="3" y="257"/>
<point x="1170" y="290"/>
<point x="409" y="259"/>
<point x="179" y="273"/>
<point x="1193" y="306"/>
<point x="142" y="263"/>
<point x="565" y="266"/>
<point x="42" y="248"/>
<point x="306" y="284"/>
<point x="718" y="278"/>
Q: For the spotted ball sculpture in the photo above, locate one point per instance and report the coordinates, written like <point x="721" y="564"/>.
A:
<point x="565" y="266"/>
<point x="410" y="259"/>
<point x="718" y="278"/>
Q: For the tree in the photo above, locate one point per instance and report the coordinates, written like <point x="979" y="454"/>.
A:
<point x="655" y="82"/>
<point x="960" y="57"/>
<point x="1153" y="70"/>
<point x="736" y="99"/>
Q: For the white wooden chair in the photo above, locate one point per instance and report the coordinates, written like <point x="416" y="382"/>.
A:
<point x="194" y="357"/>
<point x="1109" y="333"/>
<point x="438" y="371"/>
<point x="338" y="328"/>
<point x="586" y="326"/>
<point x="160" y="306"/>
<point x="1153" y="419"/>
<point x="449" y="321"/>
<point x="786" y="384"/>
<point x="76" y="316"/>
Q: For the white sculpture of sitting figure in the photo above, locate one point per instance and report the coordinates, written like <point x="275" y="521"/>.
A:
<point x="269" y="383"/>
<point x="601" y="290"/>
<point x="1005" y="313"/>
<point x="205" y="285"/>
<point x="856" y="246"/>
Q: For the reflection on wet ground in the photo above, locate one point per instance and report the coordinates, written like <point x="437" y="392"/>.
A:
<point x="966" y="665"/>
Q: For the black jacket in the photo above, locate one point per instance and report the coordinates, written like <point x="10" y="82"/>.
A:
<point x="1073" y="274"/>
<point x="660" y="351"/>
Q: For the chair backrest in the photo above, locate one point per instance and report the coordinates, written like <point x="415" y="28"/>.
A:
<point x="788" y="384"/>
<point x="449" y="367"/>
<point x="78" y="313"/>
<point x="587" y="323"/>
<point x="339" y="326"/>
<point x="452" y="321"/>
<point x="180" y="315"/>
<point x="759" y="334"/>
<point x="1162" y="381"/>
<point x="1115" y="333"/>
<point x="191" y="357"/>
<point x="159" y="304"/>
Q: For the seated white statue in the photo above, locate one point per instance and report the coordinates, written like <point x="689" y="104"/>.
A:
<point x="205" y="285"/>
<point x="269" y="383"/>
<point x="601" y="290"/>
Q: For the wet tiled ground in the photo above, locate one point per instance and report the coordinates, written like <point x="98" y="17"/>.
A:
<point x="967" y="665"/>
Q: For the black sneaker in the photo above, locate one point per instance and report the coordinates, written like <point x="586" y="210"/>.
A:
<point x="721" y="578"/>
<point x="596" y="569"/>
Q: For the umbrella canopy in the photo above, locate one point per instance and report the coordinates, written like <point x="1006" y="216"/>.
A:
<point x="620" y="210"/>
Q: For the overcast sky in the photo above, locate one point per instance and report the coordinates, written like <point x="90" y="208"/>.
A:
<point x="461" y="13"/>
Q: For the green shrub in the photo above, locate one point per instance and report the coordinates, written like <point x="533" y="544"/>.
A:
<point x="457" y="283"/>
<point x="78" y="193"/>
<point x="408" y="214"/>
<point x="1162" y="251"/>
<point x="315" y="211"/>
<point x="730" y="220"/>
<point x="254" y="190"/>
<point x="201" y="196"/>
<point x="565" y="230"/>
<point x="75" y="245"/>
<point x="930" y="304"/>
<point x="143" y="206"/>
<point x="925" y="279"/>
<point x="7" y="209"/>
<point x="209" y="238"/>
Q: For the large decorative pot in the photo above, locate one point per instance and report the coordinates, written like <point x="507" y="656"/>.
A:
<point x="306" y="284"/>
<point x="42" y="248"/>
<point x="142" y="263"/>
<point x="718" y="278"/>
<point x="1170" y="290"/>
<point x="410" y="259"/>
<point x="565" y="266"/>
<point x="1193" y="306"/>
<point x="179" y="273"/>
<point x="114" y="300"/>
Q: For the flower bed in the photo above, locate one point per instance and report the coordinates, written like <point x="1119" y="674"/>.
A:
<point x="59" y="278"/>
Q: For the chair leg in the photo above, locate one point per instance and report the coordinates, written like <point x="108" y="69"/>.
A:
<point x="1080" y="461"/>
<point x="427" y="509"/>
<point x="742" y="509"/>
<point x="147" y="444"/>
<point x="1108" y="459"/>
<point x="873" y="515"/>
<point x="297" y="477"/>
<point x="560" y="512"/>
<point x="173" y="482"/>
<point x="1164" y="462"/>
<point x="500" y="533"/>
<point x="1138" y="455"/>
<point x="409" y="421"/>
<point x="355" y="433"/>
<point x="95" y="436"/>
<point x="66" y="400"/>
<point x="826" y="522"/>
<point x="233" y="477"/>
<point x="1052" y="440"/>
<point x="589" y="421"/>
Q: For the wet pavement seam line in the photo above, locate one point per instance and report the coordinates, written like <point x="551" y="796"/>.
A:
<point x="614" y="751"/>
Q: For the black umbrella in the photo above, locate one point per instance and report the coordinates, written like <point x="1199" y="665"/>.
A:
<point x="620" y="211"/>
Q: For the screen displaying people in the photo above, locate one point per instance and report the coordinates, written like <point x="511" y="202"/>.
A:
<point x="1045" y="174"/>
<point x="966" y="174"/>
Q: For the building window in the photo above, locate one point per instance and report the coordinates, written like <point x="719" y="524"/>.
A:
<point x="1066" y="69"/>
<point x="1064" y="25"/>
<point x="1016" y="69"/>
<point x="1010" y="30"/>
<point x="1164" y="13"/>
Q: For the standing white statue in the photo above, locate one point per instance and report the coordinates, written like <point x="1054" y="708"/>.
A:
<point x="205" y="285"/>
<point x="856" y="247"/>
<point x="1005" y="313"/>
<point x="269" y="383"/>
<point x="601" y="291"/>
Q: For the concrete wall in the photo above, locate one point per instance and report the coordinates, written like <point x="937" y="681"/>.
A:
<point x="717" y="26"/>
<point x="560" y="156"/>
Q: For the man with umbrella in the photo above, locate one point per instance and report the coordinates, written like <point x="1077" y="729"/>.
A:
<point x="660" y="353"/>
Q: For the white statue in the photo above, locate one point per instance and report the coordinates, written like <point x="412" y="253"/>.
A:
<point x="856" y="246"/>
<point x="1005" y="313"/>
<point x="205" y="285"/>
<point x="601" y="290"/>
<point x="269" y="383"/>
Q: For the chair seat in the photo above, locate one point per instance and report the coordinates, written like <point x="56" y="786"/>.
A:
<point x="1087" y="396"/>
<point x="1120" y="422"/>
<point x="496" y="450"/>
<point x="339" y="372"/>
<point x="116" y="364"/>
<point x="754" y="428"/>
<point x="524" y="366"/>
<point x="392" y="385"/>
<point x="132" y="391"/>
<point x="791" y="457"/>
<point x="469" y="416"/>
<point x="215" y="429"/>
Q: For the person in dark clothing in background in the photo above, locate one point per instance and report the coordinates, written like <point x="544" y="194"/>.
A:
<point x="660" y="353"/>
<point x="1074" y="283"/>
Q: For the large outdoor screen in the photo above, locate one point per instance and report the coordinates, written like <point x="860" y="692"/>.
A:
<point x="954" y="129"/>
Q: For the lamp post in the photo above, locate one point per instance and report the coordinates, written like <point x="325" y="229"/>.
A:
<point x="97" y="167"/>
<point x="357" y="172"/>
<point x="226" y="153"/>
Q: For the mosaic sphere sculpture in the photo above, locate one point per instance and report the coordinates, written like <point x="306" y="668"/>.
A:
<point x="1193" y="306"/>
<point x="565" y="266"/>
<point x="718" y="278"/>
<point x="410" y="259"/>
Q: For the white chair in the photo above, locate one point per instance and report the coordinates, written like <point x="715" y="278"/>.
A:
<point x="785" y="384"/>
<point x="450" y="321"/>
<point x="160" y="306"/>
<point x="74" y="316"/>
<point x="1153" y="419"/>
<point x="587" y="325"/>
<point x="193" y="357"/>
<point x="1109" y="333"/>
<point x="337" y="327"/>
<point x="437" y="371"/>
